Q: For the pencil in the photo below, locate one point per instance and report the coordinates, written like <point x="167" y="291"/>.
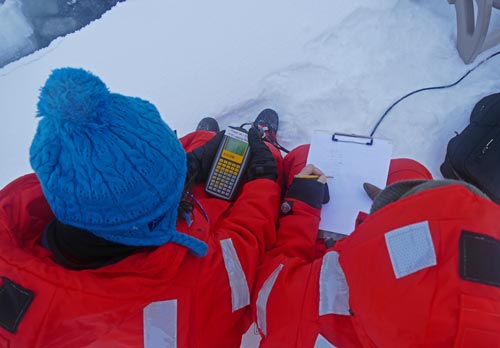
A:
<point x="311" y="176"/>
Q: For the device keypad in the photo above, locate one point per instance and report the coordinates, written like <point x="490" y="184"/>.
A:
<point x="224" y="177"/>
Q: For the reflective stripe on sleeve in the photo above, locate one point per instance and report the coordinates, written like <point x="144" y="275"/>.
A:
<point x="160" y="324"/>
<point x="240" y="294"/>
<point x="322" y="342"/>
<point x="333" y="288"/>
<point x="410" y="248"/>
<point x="263" y="296"/>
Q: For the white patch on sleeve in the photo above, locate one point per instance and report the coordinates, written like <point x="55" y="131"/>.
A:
<point x="322" y="342"/>
<point x="160" y="324"/>
<point x="240" y="294"/>
<point x="411" y="248"/>
<point x="333" y="288"/>
<point x="262" y="298"/>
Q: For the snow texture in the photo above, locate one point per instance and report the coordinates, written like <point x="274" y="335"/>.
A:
<point x="323" y="65"/>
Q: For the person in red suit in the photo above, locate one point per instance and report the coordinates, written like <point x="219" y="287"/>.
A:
<point x="419" y="270"/>
<point x="112" y="242"/>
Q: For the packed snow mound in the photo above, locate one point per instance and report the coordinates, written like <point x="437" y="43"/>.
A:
<point x="328" y="65"/>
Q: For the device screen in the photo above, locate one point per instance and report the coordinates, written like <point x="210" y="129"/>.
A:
<point x="234" y="150"/>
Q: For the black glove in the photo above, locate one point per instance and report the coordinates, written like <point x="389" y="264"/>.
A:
<point x="309" y="191"/>
<point x="199" y="161"/>
<point x="262" y="163"/>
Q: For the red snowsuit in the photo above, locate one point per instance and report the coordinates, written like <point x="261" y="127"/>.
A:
<point x="162" y="297"/>
<point x="420" y="272"/>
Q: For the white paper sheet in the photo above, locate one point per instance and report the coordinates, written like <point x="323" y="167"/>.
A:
<point x="352" y="161"/>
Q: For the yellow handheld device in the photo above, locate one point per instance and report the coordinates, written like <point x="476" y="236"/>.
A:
<point x="229" y="164"/>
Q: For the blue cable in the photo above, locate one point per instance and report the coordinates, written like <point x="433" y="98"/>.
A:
<point x="428" y="89"/>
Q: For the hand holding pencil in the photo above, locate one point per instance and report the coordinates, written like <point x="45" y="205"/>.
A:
<point x="312" y="172"/>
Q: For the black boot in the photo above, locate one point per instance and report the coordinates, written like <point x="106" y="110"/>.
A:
<point x="267" y="123"/>
<point x="208" y="124"/>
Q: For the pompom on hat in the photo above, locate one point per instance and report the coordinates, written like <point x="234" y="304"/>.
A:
<point x="108" y="163"/>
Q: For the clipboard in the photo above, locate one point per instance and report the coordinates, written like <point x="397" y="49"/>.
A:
<point x="352" y="160"/>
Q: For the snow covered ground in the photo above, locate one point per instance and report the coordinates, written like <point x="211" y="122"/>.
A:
<point x="324" y="64"/>
<point x="334" y="65"/>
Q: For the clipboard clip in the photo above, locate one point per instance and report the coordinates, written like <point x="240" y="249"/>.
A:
<point x="352" y="138"/>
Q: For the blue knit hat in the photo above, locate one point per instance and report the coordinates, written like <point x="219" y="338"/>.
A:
<point x="108" y="163"/>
